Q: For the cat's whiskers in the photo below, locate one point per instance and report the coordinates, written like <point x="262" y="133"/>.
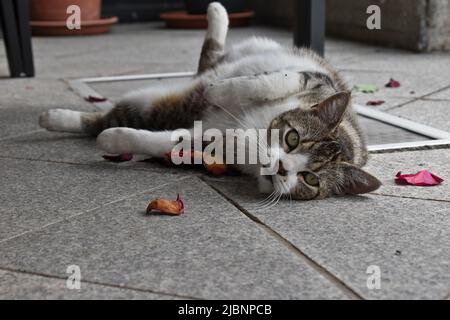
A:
<point x="288" y="191"/>
<point x="266" y="200"/>
<point x="273" y="201"/>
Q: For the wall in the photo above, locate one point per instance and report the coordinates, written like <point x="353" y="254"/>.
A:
<point x="418" y="25"/>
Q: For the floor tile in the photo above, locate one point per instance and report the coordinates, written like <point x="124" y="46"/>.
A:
<point x="23" y="286"/>
<point x="433" y="113"/>
<point x="386" y="166"/>
<point x="226" y="257"/>
<point x="409" y="240"/>
<point x="34" y="194"/>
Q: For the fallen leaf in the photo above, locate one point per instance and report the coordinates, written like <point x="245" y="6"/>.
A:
<point x="392" y="84"/>
<point x="213" y="166"/>
<point x="421" y="178"/>
<point x="168" y="207"/>
<point x="94" y="99"/>
<point x="365" y="88"/>
<point x="375" y="102"/>
<point x="118" y="158"/>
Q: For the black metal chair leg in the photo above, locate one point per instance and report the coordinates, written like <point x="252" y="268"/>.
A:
<point x="309" y="30"/>
<point x="11" y="37"/>
<point x="23" y="14"/>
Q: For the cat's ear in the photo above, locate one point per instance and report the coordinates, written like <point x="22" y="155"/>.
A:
<point x="332" y="109"/>
<point x="354" y="180"/>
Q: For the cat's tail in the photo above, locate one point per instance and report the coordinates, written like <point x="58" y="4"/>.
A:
<point x="64" y="120"/>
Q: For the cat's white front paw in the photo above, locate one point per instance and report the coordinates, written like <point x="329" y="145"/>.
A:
<point x="61" y="120"/>
<point x="116" y="140"/>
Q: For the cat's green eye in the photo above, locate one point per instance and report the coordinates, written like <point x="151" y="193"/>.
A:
<point x="292" y="139"/>
<point x="311" y="179"/>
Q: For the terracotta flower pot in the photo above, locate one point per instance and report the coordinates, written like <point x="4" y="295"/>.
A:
<point x="51" y="10"/>
<point x="49" y="18"/>
<point x="200" y="6"/>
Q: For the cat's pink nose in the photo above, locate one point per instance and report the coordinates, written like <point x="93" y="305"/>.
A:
<point x="281" y="170"/>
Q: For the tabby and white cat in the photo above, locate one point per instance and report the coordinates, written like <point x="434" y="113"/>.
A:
<point x="255" y="84"/>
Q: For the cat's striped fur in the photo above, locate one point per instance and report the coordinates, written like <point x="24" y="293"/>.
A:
<point x="257" y="84"/>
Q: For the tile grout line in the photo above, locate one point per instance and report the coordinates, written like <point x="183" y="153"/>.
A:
<point x="348" y="291"/>
<point x="436" y="100"/>
<point x="86" y="211"/>
<point x="406" y="197"/>
<point x="415" y="99"/>
<point x="93" y="282"/>
<point x="93" y="164"/>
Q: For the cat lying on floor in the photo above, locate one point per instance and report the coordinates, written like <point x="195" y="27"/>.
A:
<point x="256" y="84"/>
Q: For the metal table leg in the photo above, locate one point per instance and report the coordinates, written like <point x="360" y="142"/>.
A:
<point x="23" y="14"/>
<point x="309" y="30"/>
<point x="11" y="37"/>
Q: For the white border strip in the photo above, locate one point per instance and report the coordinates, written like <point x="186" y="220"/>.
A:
<point x="85" y="91"/>
<point x="409" y="145"/>
<point x="151" y="76"/>
<point x="402" y="123"/>
<point x="439" y="137"/>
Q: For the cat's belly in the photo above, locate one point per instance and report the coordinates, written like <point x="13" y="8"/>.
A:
<point x="257" y="64"/>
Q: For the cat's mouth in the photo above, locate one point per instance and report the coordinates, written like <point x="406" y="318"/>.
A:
<point x="283" y="183"/>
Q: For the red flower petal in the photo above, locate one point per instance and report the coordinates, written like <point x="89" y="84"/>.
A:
<point x="93" y="99"/>
<point x="119" y="158"/>
<point x="180" y="202"/>
<point x="392" y="84"/>
<point x="421" y="178"/>
<point x="375" y="102"/>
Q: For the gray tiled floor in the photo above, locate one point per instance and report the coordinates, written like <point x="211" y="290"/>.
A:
<point x="212" y="251"/>
<point x="346" y="235"/>
<point x="417" y="111"/>
<point x="61" y="204"/>
<point x="30" y="286"/>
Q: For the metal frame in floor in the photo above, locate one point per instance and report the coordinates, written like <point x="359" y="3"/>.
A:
<point x="436" y="137"/>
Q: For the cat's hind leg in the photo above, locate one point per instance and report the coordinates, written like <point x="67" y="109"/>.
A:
<point x="64" y="120"/>
<point x="214" y="44"/>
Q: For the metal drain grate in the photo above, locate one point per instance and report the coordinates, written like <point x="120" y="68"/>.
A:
<point x="384" y="131"/>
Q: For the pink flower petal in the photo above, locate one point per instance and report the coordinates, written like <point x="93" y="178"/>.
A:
<point x="392" y="84"/>
<point x="421" y="178"/>
<point x="375" y="102"/>
<point x="119" y="158"/>
<point x="180" y="202"/>
<point x="93" y="99"/>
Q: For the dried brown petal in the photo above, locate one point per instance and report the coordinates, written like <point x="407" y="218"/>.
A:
<point x="168" y="207"/>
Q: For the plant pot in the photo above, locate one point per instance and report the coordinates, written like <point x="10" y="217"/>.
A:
<point x="183" y="20"/>
<point x="50" y="10"/>
<point x="201" y="6"/>
<point x="48" y="18"/>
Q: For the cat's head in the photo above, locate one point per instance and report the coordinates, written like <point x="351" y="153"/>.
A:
<point x="314" y="156"/>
